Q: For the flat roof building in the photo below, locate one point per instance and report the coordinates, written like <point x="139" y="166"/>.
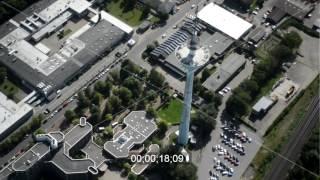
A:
<point x="138" y="128"/>
<point x="257" y="34"/>
<point x="45" y="68"/>
<point x="296" y="8"/>
<point x="12" y="114"/>
<point x="224" y="21"/>
<point x="54" y="152"/>
<point x="227" y="70"/>
<point x="263" y="105"/>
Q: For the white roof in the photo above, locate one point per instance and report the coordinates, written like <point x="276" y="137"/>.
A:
<point x="113" y="20"/>
<point x="10" y="112"/>
<point x="224" y="20"/>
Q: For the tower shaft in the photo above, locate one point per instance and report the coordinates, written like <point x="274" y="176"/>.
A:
<point x="185" y="118"/>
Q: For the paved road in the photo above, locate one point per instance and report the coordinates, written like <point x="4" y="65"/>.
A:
<point x="280" y="166"/>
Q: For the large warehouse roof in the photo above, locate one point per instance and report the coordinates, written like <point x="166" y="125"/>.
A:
<point x="224" y="20"/>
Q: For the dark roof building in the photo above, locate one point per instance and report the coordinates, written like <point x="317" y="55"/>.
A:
<point x="257" y="34"/>
<point x="47" y="72"/>
<point x="227" y="70"/>
<point x="295" y="8"/>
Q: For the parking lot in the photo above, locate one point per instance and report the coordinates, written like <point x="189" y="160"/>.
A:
<point x="232" y="153"/>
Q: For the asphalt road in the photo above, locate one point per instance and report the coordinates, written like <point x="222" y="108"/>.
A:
<point x="280" y="165"/>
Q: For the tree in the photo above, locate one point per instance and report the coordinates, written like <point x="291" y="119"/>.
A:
<point x="151" y="112"/>
<point x="96" y="99"/>
<point x="83" y="101"/>
<point x="127" y="69"/>
<point x="156" y="78"/>
<point x="163" y="127"/>
<point x="115" y="103"/>
<point x="103" y="87"/>
<point x="134" y="85"/>
<point x="250" y="86"/>
<point x="107" y="108"/>
<point x="151" y="95"/>
<point x="3" y="74"/>
<point x="211" y="97"/>
<point x="184" y="171"/>
<point x="39" y="131"/>
<point x="236" y="106"/>
<point x="108" y="117"/>
<point x="282" y="53"/>
<point x="88" y="92"/>
<point x="145" y="12"/>
<point x="292" y="40"/>
<point x="69" y="115"/>
<point x="115" y="75"/>
<point x="204" y="122"/>
<point x="125" y="95"/>
<point x="108" y="132"/>
<point x="205" y="74"/>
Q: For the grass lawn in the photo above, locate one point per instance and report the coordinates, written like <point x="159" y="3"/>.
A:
<point x="133" y="17"/>
<point x="171" y="113"/>
<point x="9" y="89"/>
<point x="282" y="129"/>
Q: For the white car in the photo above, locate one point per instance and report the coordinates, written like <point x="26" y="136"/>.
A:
<point x="255" y="12"/>
<point x="221" y="93"/>
<point x="228" y="88"/>
<point x="224" y="173"/>
<point x="225" y="90"/>
<point x="163" y="36"/>
<point x="193" y="6"/>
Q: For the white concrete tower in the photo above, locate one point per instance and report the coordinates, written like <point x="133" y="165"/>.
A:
<point x="192" y="56"/>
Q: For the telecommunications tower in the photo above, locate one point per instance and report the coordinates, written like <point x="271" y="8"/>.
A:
<point x="191" y="55"/>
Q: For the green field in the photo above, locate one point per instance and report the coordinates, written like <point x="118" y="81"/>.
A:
<point x="9" y="89"/>
<point x="132" y="17"/>
<point x="171" y="112"/>
<point x="280" y="131"/>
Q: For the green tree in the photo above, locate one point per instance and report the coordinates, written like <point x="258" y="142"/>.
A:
<point x="163" y="127"/>
<point x="151" y="112"/>
<point x="108" y="117"/>
<point x="83" y="101"/>
<point x="151" y="95"/>
<point x="115" y="103"/>
<point x="70" y="115"/>
<point x="184" y="171"/>
<point x="108" y="132"/>
<point x="156" y="78"/>
<point x="125" y="95"/>
<point x="204" y="123"/>
<point x="292" y="40"/>
<point x="236" y="106"/>
<point x="250" y="86"/>
<point x="97" y="98"/>
<point x="108" y="108"/>
<point x="115" y="76"/>
<point x="134" y="85"/>
<point x="282" y="53"/>
<point x="88" y="92"/>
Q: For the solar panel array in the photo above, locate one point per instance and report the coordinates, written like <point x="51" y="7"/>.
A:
<point x="176" y="39"/>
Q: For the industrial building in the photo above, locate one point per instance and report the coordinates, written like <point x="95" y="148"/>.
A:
<point x="225" y="72"/>
<point x="39" y="51"/>
<point x="218" y="18"/>
<point x="12" y="114"/>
